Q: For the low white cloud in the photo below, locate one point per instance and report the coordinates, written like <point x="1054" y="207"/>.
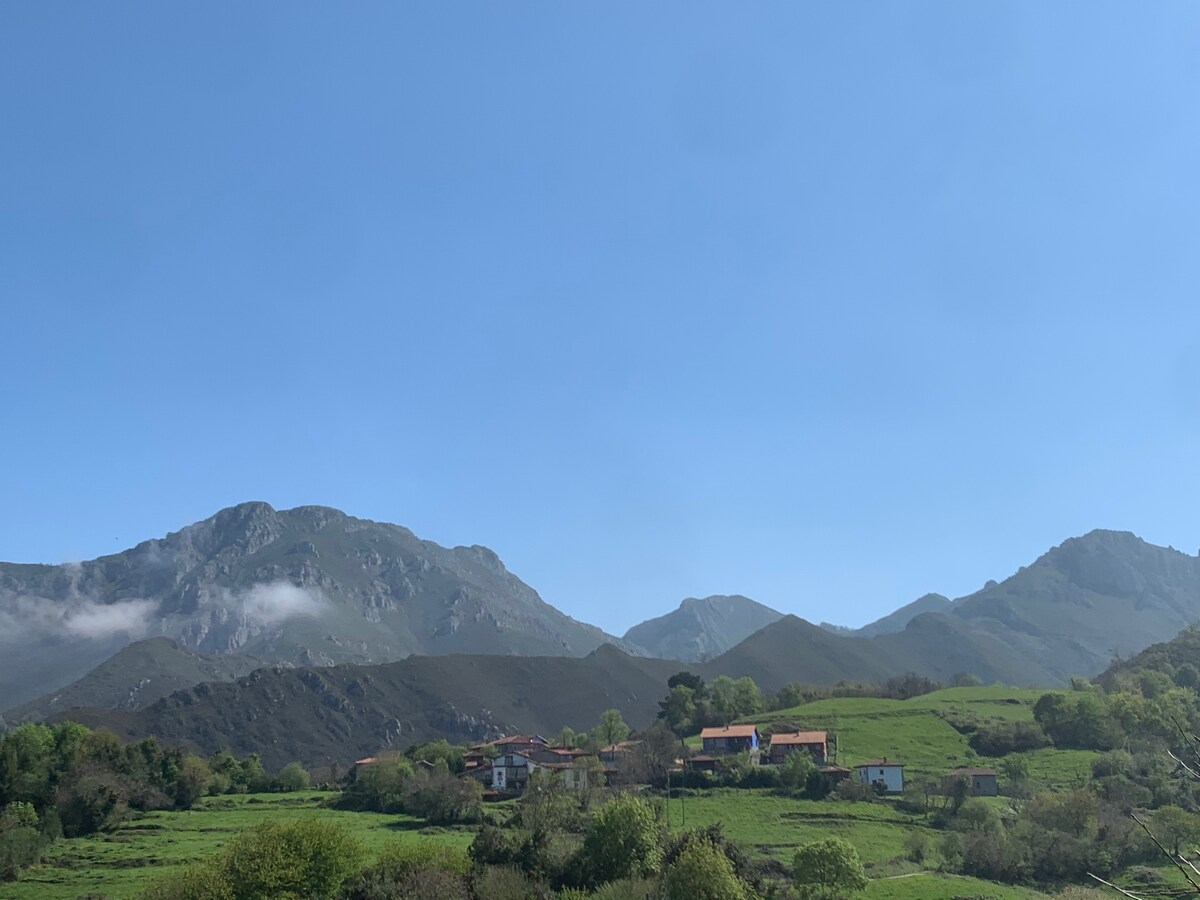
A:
<point x="266" y="604"/>
<point x="24" y="617"/>
<point x="270" y="604"/>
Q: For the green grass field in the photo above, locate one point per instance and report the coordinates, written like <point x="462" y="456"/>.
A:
<point x="775" y="826"/>
<point x="119" y="863"/>
<point x="914" y="731"/>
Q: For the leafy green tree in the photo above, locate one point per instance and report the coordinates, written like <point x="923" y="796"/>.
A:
<point x="747" y="698"/>
<point x="623" y="840"/>
<point x="694" y="683"/>
<point x="657" y="752"/>
<point x="678" y="710"/>
<point x="21" y="844"/>
<point x="1188" y="676"/>
<point x="1015" y="769"/>
<point x="443" y="799"/>
<point x="1176" y="828"/>
<point x="192" y="782"/>
<point x="791" y="694"/>
<point x="612" y="728"/>
<point x="976" y="815"/>
<point x="254" y="776"/>
<point x="294" y="777"/>
<point x="797" y="768"/>
<point x="439" y="751"/>
<point x="547" y="807"/>
<point x="828" y="870"/>
<point x="722" y="695"/>
<point x="567" y="737"/>
<point x="381" y="786"/>
<point x="702" y="871"/>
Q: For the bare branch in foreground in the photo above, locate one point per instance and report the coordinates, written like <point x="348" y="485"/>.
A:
<point x="1114" y="887"/>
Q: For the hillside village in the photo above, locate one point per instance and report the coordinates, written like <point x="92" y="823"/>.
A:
<point x="507" y="766"/>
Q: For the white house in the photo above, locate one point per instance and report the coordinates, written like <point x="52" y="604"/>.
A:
<point x="510" y="771"/>
<point x="890" y="772"/>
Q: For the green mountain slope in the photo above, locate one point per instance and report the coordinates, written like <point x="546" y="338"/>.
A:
<point x="340" y="713"/>
<point x="898" y="620"/>
<point x="306" y="586"/>
<point x="701" y="629"/>
<point x="1065" y="614"/>
<point x="1091" y="595"/>
<point x="136" y="676"/>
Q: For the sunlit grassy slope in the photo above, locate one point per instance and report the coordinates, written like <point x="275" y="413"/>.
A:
<point x="117" y="864"/>
<point x="916" y="731"/>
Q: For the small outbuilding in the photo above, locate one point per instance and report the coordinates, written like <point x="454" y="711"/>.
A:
<point x="981" y="782"/>
<point x="889" y="772"/>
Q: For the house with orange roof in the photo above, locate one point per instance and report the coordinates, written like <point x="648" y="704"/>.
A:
<point x="730" y="739"/>
<point x="815" y="743"/>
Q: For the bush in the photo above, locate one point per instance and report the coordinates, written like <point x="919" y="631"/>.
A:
<point x="855" y="790"/>
<point x="828" y="870"/>
<point x="495" y="883"/>
<point x="1009" y="737"/>
<point x="293" y="860"/>
<point x="20" y="846"/>
<point x="200" y="881"/>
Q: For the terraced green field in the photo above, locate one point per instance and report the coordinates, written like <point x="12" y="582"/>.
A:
<point x="119" y="863"/>
<point x="916" y="731"/>
<point x="774" y="826"/>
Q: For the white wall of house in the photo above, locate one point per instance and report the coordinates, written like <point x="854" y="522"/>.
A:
<point x="892" y="776"/>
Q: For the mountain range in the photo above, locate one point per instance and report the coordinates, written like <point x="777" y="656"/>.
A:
<point x="292" y="593"/>
<point x="701" y="628"/>
<point x="306" y="586"/>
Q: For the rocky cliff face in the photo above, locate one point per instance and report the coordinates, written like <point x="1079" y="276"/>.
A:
<point x="306" y="586"/>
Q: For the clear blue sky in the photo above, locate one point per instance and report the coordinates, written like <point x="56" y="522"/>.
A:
<point x="827" y="304"/>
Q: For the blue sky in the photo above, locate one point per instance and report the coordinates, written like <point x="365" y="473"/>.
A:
<point x="827" y="304"/>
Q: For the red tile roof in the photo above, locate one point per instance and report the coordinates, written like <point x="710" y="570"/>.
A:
<point x="798" y="737"/>
<point x="742" y="731"/>
<point x="520" y="739"/>
<point x="877" y="763"/>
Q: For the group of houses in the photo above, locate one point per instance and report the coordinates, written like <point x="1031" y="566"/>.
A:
<point x="888" y="774"/>
<point x="504" y="766"/>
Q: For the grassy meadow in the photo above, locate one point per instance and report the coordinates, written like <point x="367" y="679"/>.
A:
<point x="917" y="733"/>
<point x="119" y="863"/>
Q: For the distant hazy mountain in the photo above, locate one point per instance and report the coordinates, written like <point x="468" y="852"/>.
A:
<point x="1057" y="617"/>
<point x="1066" y="613"/>
<point x="313" y="586"/>
<point x="304" y="586"/>
<point x="896" y="621"/>
<point x="1086" y="598"/>
<point x="935" y="646"/>
<point x="700" y="629"/>
<point x="136" y="676"/>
